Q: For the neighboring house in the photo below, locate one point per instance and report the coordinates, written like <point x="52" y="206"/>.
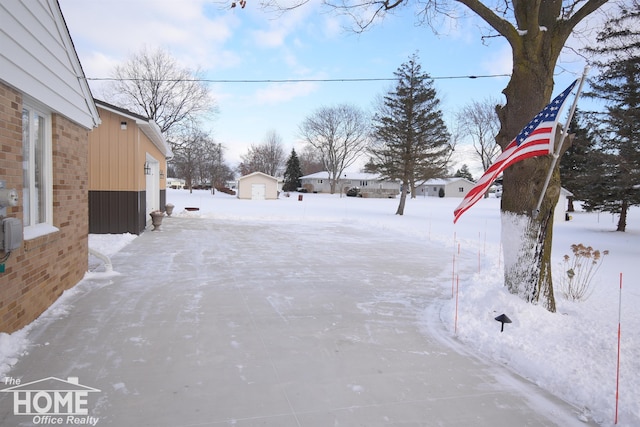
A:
<point x="560" y="212"/>
<point x="127" y="171"/>
<point x="46" y="113"/>
<point x="319" y="182"/>
<point x="258" y="186"/>
<point x="175" y="183"/>
<point x="452" y="187"/>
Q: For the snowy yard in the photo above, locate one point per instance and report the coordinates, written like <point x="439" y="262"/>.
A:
<point x="571" y="354"/>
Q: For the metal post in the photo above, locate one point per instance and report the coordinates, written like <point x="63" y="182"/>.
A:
<point x="558" y="147"/>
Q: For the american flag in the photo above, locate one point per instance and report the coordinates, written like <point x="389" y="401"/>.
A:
<point x="536" y="139"/>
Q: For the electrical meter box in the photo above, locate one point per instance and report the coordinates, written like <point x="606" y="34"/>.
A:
<point x="10" y="234"/>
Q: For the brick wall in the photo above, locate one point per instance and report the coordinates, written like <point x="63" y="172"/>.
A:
<point x="37" y="274"/>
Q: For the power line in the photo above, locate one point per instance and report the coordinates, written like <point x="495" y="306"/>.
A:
<point x="345" y="80"/>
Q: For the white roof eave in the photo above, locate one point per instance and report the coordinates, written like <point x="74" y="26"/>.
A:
<point x="152" y="131"/>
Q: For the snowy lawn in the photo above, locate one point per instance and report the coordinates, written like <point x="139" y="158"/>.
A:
<point x="572" y="353"/>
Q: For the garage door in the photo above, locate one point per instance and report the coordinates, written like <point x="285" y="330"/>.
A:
<point x="258" y="191"/>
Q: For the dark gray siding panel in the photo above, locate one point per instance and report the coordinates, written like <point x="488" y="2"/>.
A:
<point x="142" y="211"/>
<point x="117" y="212"/>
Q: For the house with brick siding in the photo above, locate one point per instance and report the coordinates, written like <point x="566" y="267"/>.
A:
<point x="46" y="114"/>
<point x="127" y="171"/>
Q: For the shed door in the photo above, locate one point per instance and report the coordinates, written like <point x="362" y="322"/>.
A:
<point x="258" y="191"/>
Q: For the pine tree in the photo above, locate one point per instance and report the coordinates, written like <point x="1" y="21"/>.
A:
<point x="579" y="162"/>
<point x="464" y="172"/>
<point x="411" y="141"/>
<point x="293" y="173"/>
<point x="617" y="131"/>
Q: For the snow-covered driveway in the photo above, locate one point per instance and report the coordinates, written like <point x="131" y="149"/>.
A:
<point x="216" y="322"/>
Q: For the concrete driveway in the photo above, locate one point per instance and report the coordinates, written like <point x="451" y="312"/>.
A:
<point x="241" y="323"/>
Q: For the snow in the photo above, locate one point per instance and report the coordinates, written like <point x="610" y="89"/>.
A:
<point x="39" y="230"/>
<point x="110" y="244"/>
<point x="571" y="354"/>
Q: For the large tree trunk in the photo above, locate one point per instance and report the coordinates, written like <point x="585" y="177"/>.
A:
<point x="622" y="221"/>
<point x="527" y="234"/>
<point x="403" y="197"/>
<point x="334" y="176"/>
<point x="536" y="44"/>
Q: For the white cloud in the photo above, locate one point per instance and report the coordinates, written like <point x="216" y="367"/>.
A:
<point x="278" y="30"/>
<point x="294" y="65"/>
<point x="190" y="30"/>
<point x="273" y="37"/>
<point x="332" y="27"/>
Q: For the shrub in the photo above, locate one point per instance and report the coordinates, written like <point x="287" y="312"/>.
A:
<point x="579" y="271"/>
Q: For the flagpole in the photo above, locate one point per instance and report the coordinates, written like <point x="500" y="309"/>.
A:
<point x="558" y="147"/>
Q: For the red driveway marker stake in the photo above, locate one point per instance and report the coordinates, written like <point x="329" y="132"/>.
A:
<point x="453" y="274"/>
<point x="455" y="326"/>
<point x="618" y="365"/>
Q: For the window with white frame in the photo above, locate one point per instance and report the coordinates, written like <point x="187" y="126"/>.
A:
<point x="37" y="193"/>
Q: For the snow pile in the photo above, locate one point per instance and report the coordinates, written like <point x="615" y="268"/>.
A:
<point x="11" y="347"/>
<point x="110" y="244"/>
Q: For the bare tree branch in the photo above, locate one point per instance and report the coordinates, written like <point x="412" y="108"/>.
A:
<point x="153" y="84"/>
<point x="268" y="157"/>
<point x="339" y="134"/>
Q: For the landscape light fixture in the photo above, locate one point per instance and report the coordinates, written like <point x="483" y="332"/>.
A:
<point x="147" y="168"/>
<point x="503" y="319"/>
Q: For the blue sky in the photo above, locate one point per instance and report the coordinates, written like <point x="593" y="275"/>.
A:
<point x="307" y="43"/>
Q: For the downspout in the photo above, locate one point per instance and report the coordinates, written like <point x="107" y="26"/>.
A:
<point x="138" y="184"/>
<point x="108" y="267"/>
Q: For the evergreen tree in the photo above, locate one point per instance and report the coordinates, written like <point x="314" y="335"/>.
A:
<point x="293" y="173"/>
<point x="464" y="172"/>
<point x="410" y="138"/>
<point x="578" y="164"/>
<point x="617" y="132"/>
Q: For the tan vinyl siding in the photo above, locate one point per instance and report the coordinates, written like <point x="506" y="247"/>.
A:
<point x="112" y="154"/>
<point x="117" y="156"/>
